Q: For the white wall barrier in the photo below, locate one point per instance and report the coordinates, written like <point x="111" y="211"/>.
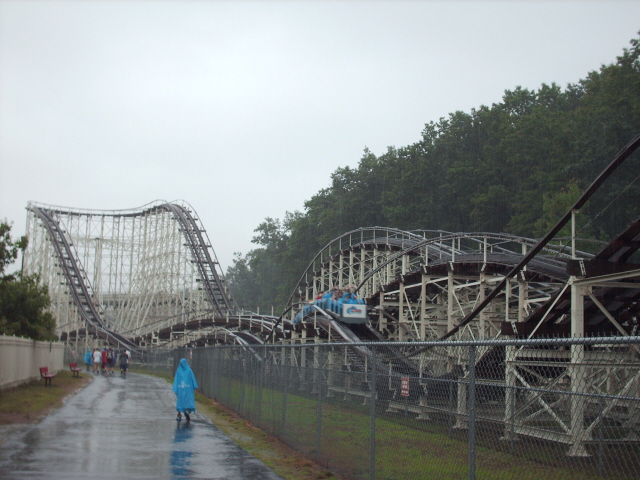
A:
<point x="21" y="358"/>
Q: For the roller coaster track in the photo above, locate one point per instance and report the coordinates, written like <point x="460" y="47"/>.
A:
<point x="77" y="282"/>
<point x="232" y="328"/>
<point x="80" y="288"/>
<point x="442" y="255"/>
<point x="440" y="252"/>
<point x="415" y="362"/>
<point x="624" y="301"/>
<point x="595" y="185"/>
<point x="195" y="239"/>
<point x="539" y="262"/>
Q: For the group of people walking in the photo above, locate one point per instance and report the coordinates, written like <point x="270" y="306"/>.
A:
<point x="103" y="362"/>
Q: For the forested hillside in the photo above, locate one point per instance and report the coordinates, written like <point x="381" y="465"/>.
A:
<point x="514" y="167"/>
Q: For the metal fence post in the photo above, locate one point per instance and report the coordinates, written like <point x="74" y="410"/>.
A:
<point x="472" y="412"/>
<point x="218" y="359"/>
<point x="285" y="379"/>
<point x="244" y="386"/>
<point x="319" y="410"/>
<point x="372" y="434"/>
<point x="600" y="436"/>
<point x="211" y="356"/>
<point x="450" y="430"/>
<point x="513" y="419"/>
<point x="261" y="382"/>
<point x="230" y="372"/>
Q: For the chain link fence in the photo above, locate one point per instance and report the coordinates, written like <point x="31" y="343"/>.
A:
<point x="557" y="408"/>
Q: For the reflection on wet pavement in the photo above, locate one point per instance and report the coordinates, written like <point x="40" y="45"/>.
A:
<point x="181" y="455"/>
<point x="126" y="428"/>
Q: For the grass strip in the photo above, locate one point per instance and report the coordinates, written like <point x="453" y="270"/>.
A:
<point x="278" y="456"/>
<point x="29" y="402"/>
<point x="404" y="450"/>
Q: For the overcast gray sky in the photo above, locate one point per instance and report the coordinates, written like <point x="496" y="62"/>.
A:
<point x="244" y="109"/>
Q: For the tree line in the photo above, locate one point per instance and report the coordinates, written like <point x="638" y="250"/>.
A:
<point x="515" y="166"/>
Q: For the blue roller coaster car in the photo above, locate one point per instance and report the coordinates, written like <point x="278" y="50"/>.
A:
<point x="349" y="309"/>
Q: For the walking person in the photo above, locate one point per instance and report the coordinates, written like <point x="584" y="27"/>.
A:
<point x="110" y="361"/>
<point x="124" y="363"/>
<point x="184" y="385"/>
<point x="88" y="359"/>
<point x="97" y="360"/>
<point x="104" y="360"/>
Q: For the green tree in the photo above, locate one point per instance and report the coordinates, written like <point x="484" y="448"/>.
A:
<point x="23" y="304"/>
<point x="8" y="248"/>
<point x="243" y="281"/>
<point x="261" y="278"/>
<point x="555" y="206"/>
<point x="23" y="299"/>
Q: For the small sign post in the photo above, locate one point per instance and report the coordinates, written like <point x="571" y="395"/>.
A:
<point x="404" y="386"/>
<point x="404" y="392"/>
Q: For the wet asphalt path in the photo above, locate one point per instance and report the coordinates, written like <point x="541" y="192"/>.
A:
<point x="126" y="428"/>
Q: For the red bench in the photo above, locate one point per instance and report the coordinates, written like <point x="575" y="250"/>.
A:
<point x="74" y="368"/>
<point x="44" y="373"/>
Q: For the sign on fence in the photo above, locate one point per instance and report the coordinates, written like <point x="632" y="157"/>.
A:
<point x="404" y="386"/>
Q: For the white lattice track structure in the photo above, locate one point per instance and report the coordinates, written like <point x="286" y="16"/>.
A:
<point x="139" y="270"/>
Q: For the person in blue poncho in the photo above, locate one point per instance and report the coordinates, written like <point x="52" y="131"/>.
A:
<point x="184" y="385"/>
<point x="87" y="359"/>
